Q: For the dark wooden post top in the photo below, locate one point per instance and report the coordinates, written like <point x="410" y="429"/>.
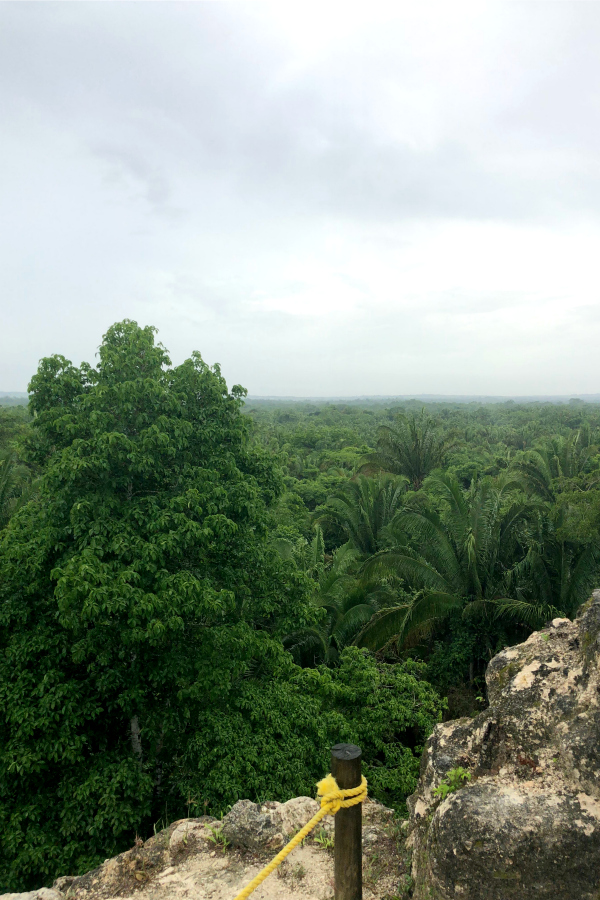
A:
<point x="346" y="769"/>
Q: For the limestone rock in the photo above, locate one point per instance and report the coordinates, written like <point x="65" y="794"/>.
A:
<point x="136" y="867"/>
<point x="270" y="825"/>
<point x="179" y="863"/>
<point x="188" y="832"/>
<point x="527" y="825"/>
<point x="297" y="812"/>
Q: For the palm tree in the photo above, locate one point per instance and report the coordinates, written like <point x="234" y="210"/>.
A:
<point x="560" y="457"/>
<point x="555" y="577"/>
<point x="461" y="558"/>
<point x="413" y="448"/>
<point x="364" y="508"/>
<point x="348" y="604"/>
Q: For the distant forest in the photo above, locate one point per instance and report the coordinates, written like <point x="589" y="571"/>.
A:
<point x="200" y="592"/>
<point x="13" y="399"/>
<point x="458" y="527"/>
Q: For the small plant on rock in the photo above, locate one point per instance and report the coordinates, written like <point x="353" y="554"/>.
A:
<point x="452" y="781"/>
<point x="323" y="839"/>
<point x="217" y="837"/>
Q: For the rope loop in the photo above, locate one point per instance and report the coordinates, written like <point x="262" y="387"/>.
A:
<point x="333" y="799"/>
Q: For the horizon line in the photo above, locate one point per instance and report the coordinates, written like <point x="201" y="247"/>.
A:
<point x="379" y="397"/>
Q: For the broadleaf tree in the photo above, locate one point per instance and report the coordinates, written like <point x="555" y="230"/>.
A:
<point x="138" y="594"/>
<point x="142" y="608"/>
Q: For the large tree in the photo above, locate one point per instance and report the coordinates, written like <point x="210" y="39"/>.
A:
<point x="142" y="609"/>
<point x="139" y="611"/>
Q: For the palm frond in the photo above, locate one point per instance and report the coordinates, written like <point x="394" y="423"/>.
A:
<point x="383" y="627"/>
<point x="534" y="615"/>
<point x="350" y="624"/>
<point x="308" y="646"/>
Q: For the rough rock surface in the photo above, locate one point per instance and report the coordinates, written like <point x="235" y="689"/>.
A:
<point x="188" y="860"/>
<point x="527" y="824"/>
<point x="269" y="826"/>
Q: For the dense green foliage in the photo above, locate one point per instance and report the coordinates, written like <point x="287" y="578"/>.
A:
<point x="143" y="611"/>
<point x="198" y="595"/>
<point x="16" y="477"/>
<point x="501" y="534"/>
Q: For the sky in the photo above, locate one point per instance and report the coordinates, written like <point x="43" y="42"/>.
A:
<point x="328" y="199"/>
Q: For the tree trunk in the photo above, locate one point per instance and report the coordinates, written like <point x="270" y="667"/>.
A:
<point x="136" y="737"/>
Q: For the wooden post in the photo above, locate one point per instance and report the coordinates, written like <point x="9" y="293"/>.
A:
<point x="345" y="768"/>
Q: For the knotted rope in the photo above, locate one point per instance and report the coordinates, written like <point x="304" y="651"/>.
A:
<point x="333" y="799"/>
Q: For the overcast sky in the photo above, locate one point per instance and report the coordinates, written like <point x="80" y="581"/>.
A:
<point x="327" y="199"/>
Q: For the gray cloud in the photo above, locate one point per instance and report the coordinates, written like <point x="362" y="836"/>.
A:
<point x="199" y="88"/>
<point x="277" y="194"/>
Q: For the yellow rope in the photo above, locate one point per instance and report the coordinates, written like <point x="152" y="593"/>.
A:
<point x="332" y="799"/>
